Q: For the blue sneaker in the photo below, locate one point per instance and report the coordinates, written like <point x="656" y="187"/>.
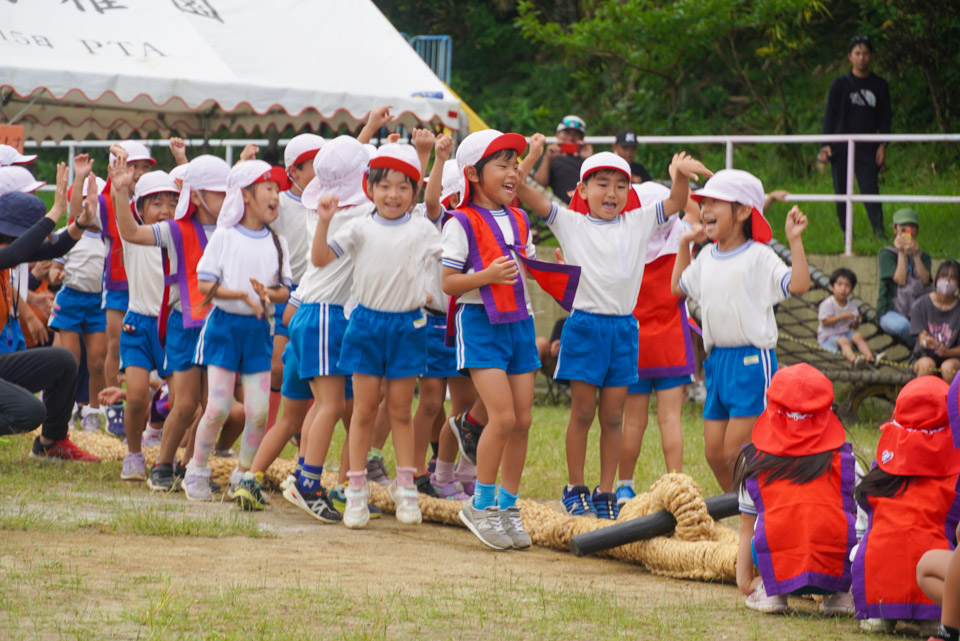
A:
<point x="576" y="500"/>
<point x="115" y="421"/>
<point x="624" y="494"/>
<point x="605" y="504"/>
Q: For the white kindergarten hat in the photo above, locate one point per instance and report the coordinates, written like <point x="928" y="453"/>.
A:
<point x="651" y="191"/>
<point x="738" y="186"/>
<point x="135" y="151"/>
<point x="244" y="174"/>
<point x="154" y="182"/>
<point x="203" y="173"/>
<point x="301" y="149"/>
<point x="450" y="183"/>
<point x="101" y="185"/>
<point x="17" y="178"/>
<point x="339" y="168"/>
<point x="604" y="160"/>
<point x="10" y="156"/>
<point x="478" y="146"/>
<point x="398" y="156"/>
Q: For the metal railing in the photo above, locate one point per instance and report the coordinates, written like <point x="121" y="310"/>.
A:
<point x="437" y="52"/>
<point x="729" y="142"/>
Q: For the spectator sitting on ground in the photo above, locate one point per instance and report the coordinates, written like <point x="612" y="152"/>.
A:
<point x="626" y="148"/>
<point x="935" y="321"/>
<point x="904" y="271"/>
<point x="560" y="168"/>
<point x="839" y="318"/>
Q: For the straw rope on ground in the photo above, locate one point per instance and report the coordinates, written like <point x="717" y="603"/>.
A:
<point x="699" y="548"/>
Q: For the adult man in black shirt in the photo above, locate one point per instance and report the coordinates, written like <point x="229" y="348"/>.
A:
<point x="859" y="102"/>
<point x="560" y="167"/>
<point x="626" y="148"/>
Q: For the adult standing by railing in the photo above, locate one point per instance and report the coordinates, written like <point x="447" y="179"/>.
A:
<point x="859" y="102"/>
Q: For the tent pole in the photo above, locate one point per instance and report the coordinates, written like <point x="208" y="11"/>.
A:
<point x="25" y="107"/>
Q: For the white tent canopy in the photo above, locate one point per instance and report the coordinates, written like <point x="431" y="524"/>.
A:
<point x="81" y="68"/>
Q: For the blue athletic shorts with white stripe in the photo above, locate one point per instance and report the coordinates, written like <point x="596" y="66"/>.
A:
<point x="279" y="329"/>
<point x="441" y="360"/>
<point x="140" y="344"/>
<point x="116" y="299"/>
<point x="388" y="344"/>
<point x="78" y="312"/>
<point x="293" y="386"/>
<point x="181" y="343"/>
<point x="599" y="349"/>
<point x="511" y="347"/>
<point x="235" y="342"/>
<point x="316" y="332"/>
<point x="737" y="379"/>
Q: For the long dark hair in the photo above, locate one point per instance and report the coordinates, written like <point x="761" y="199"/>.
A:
<point x="796" y="469"/>
<point x="882" y="484"/>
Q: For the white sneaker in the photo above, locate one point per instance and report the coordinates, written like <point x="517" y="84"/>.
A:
<point x="838" y="603"/>
<point x="356" y="514"/>
<point x="196" y="483"/>
<point x="885" y="626"/>
<point x="760" y="601"/>
<point x="287" y="482"/>
<point x="92" y="420"/>
<point x="408" y="509"/>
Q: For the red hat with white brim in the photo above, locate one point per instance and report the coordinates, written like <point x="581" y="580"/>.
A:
<point x="478" y="146"/>
<point x="738" y="186"/>
<point x="398" y="156"/>
<point x="603" y="161"/>
<point x="244" y="174"/>
<point x="301" y="148"/>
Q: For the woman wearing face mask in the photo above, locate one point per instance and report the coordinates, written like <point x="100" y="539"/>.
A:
<point x="935" y="321"/>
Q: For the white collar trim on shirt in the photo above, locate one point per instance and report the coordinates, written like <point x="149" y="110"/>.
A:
<point x="253" y="233"/>
<point x="602" y="221"/>
<point x="391" y="222"/>
<point x="730" y="253"/>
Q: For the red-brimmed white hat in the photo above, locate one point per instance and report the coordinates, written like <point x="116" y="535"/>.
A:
<point x="798" y="420"/>
<point x="917" y="441"/>
<point x="244" y="174"/>
<point x="651" y="191"/>
<point x="398" y="156"/>
<point x="301" y="149"/>
<point x="17" y="178"/>
<point x="135" y="151"/>
<point x="450" y="182"/>
<point x="10" y="156"/>
<point x="203" y="173"/>
<point x="604" y="160"/>
<point x="738" y="186"/>
<point x="153" y="182"/>
<point x="338" y="169"/>
<point x="478" y="146"/>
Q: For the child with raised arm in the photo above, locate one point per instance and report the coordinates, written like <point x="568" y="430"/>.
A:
<point x="736" y="282"/>
<point x="386" y="335"/>
<point x="599" y="342"/>
<point x="183" y="239"/>
<point x="244" y="269"/>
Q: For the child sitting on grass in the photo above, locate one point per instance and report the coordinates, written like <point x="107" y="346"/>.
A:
<point x="838" y="318"/>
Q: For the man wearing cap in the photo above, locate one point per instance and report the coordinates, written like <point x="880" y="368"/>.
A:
<point x="904" y="271"/>
<point x="626" y="148"/>
<point x="858" y="103"/>
<point x="560" y="168"/>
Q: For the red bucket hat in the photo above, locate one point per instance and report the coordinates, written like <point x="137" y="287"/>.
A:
<point x="918" y="441"/>
<point x="798" y="420"/>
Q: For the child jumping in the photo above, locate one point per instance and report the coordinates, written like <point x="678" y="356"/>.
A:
<point x="736" y="282"/>
<point x="839" y="318"/>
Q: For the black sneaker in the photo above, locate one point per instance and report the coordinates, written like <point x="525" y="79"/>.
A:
<point x="162" y="479"/>
<point x="424" y="486"/>
<point x="319" y="506"/>
<point x="467" y="434"/>
<point x="605" y="504"/>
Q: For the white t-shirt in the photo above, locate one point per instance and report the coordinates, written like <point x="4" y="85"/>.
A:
<point x="332" y="283"/>
<point x="83" y="265"/>
<point x="456" y="251"/>
<point x="163" y="238"/>
<point x="389" y="255"/>
<point x="144" y="267"/>
<point x="290" y="225"/>
<point x="611" y="255"/>
<point x="433" y="270"/>
<point x="736" y="291"/>
<point x="236" y="254"/>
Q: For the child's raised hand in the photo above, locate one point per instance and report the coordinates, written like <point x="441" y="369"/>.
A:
<point x="179" y="150"/>
<point x="249" y="152"/>
<point x="91" y="204"/>
<point x="695" y="234"/>
<point x="443" y="147"/>
<point x="394" y="137"/>
<point x="82" y="166"/>
<point x="60" y="195"/>
<point x="117" y="150"/>
<point x="687" y="166"/>
<point x="327" y="207"/>
<point x="537" y="142"/>
<point x="379" y="116"/>
<point x="121" y="174"/>
<point x="795" y="224"/>
<point x="423" y="140"/>
<point x="502" y="271"/>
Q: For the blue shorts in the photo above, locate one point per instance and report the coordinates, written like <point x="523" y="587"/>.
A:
<point x="79" y="312"/>
<point x="115" y="300"/>
<point x="647" y="385"/>
<point x="140" y="344"/>
<point x="599" y="349"/>
<point x="441" y="360"/>
<point x="511" y="347"/>
<point x="279" y="329"/>
<point x="181" y="343"/>
<point x="830" y="342"/>
<point x="316" y="331"/>
<point x="11" y="338"/>
<point x="293" y="386"/>
<point x="737" y="379"/>
<point x="388" y="344"/>
<point x="235" y="342"/>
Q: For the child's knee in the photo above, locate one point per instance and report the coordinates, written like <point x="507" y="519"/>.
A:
<point x="611" y="421"/>
<point x="582" y="413"/>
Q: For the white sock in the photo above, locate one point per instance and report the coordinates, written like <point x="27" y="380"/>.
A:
<point x="150" y="431"/>
<point x="627" y="483"/>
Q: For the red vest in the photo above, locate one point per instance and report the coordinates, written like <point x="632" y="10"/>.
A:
<point x="805" y="532"/>
<point x="189" y="241"/>
<point x="665" y="345"/>
<point x="901" y="529"/>
<point x="114" y="272"/>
